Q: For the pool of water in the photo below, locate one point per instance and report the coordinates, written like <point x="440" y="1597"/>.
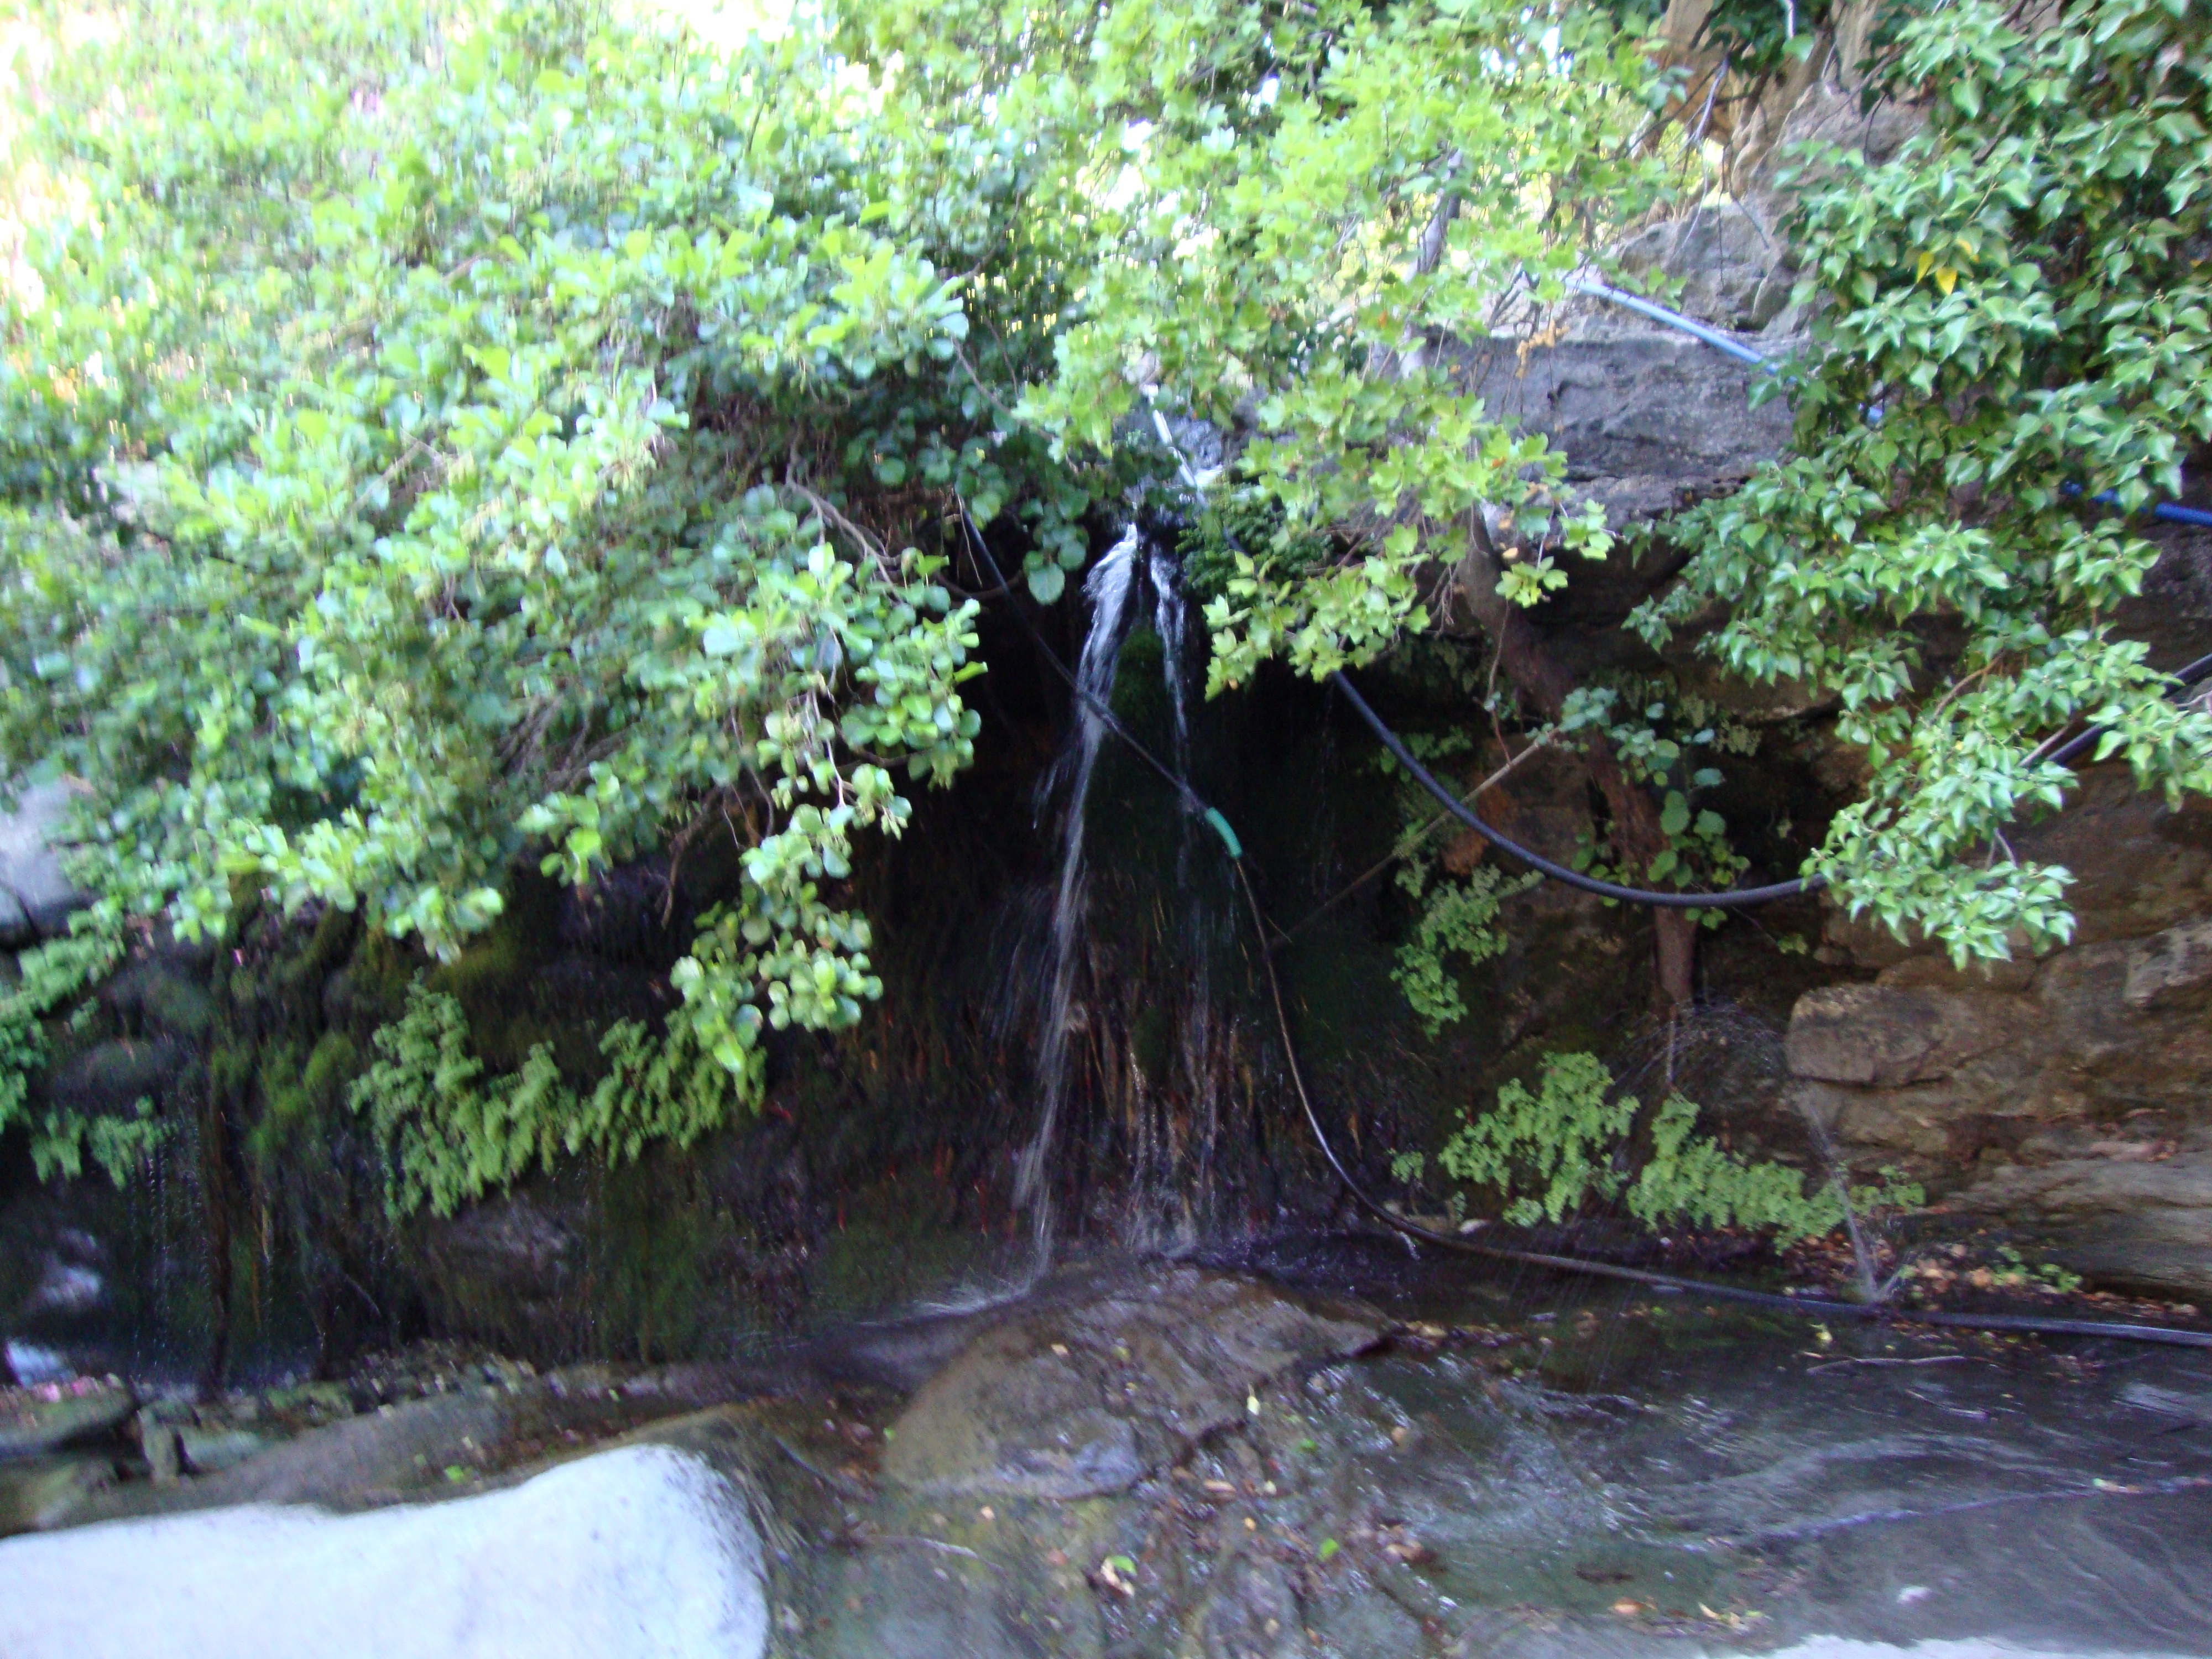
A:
<point x="1597" y="1469"/>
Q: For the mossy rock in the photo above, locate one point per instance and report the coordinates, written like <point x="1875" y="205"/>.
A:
<point x="156" y="997"/>
<point x="30" y="1424"/>
<point x="1090" y="1390"/>
<point x="111" y="1077"/>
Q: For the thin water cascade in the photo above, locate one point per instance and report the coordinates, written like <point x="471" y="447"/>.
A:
<point x="1107" y="590"/>
<point x="1170" y="611"/>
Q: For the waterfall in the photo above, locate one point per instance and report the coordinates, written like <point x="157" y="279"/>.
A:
<point x="1170" y="612"/>
<point x="1107" y="590"/>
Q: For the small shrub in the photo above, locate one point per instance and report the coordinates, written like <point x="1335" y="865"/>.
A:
<point x="1548" y="1153"/>
<point x="56" y="978"/>
<point x="452" y="1134"/>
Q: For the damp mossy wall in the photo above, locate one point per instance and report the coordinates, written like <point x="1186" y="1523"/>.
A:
<point x="882" y="1164"/>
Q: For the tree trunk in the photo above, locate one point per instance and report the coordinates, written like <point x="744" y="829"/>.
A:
<point x="1541" y="678"/>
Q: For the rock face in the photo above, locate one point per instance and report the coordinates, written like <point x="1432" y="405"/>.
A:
<point x="639" y="1550"/>
<point x="1469" y="1501"/>
<point x="1252" y="1612"/>
<point x="509" y="1264"/>
<point x="35" y="896"/>
<point x="2067" y="1094"/>
<point x="1087" y="1399"/>
<point x="30" y="1422"/>
<point x="1736" y="272"/>
<point x="1648" y="421"/>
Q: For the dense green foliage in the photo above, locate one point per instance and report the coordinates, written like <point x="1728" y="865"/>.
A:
<point x="1311" y="211"/>
<point x="437" y="441"/>
<point x="2020" y="317"/>
<point x="1667" y="742"/>
<point x="52" y="979"/>
<point x="433" y="438"/>
<point x="453" y="1134"/>
<point x="1546" y="1155"/>
<point x="2016" y="320"/>
<point x="1458" y="925"/>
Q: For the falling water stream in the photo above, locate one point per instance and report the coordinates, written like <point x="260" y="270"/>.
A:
<point x="1171" y="612"/>
<point x="1107" y="590"/>
<point x="1113" y="615"/>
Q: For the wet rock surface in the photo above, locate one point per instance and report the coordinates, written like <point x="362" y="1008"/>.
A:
<point x="1636" y="1480"/>
<point x="34" y="1420"/>
<point x="1087" y="1398"/>
<point x="1521" y="1470"/>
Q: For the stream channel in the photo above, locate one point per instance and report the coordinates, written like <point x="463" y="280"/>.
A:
<point x="1316" y="1446"/>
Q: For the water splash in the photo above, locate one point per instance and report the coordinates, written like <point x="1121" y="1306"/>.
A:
<point x="1107" y="590"/>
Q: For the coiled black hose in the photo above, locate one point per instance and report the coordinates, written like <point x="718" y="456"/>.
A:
<point x="1735" y="898"/>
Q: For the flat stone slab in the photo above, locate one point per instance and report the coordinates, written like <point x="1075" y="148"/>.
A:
<point x="34" y="1420"/>
<point x="1086" y="1398"/>
<point x="643" y="1551"/>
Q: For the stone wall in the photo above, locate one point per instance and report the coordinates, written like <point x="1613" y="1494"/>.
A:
<point x="2070" y="1094"/>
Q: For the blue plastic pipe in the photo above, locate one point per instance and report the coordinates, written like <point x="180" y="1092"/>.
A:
<point x="2169" y="511"/>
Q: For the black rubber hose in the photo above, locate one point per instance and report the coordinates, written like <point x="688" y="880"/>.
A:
<point x="1813" y="1305"/>
<point x="2185" y="678"/>
<point x="1733" y="899"/>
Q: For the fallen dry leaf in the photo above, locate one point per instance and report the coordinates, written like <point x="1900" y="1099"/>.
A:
<point x="2136" y="1151"/>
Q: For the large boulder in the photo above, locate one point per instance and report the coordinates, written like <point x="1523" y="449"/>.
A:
<point x="643" y="1549"/>
<point x="2124" y="1211"/>
<point x="1885" y="1037"/>
<point x="1647" y="421"/>
<point x="35" y="896"/>
<point x="1735" y="270"/>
